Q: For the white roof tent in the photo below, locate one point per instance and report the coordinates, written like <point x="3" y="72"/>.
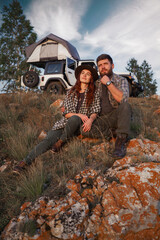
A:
<point x="50" y="48"/>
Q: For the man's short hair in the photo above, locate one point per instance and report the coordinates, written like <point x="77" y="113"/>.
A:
<point x="104" y="56"/>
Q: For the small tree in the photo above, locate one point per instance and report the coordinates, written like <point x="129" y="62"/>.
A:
<point x="15" y="34"/>
<point x="144" y="75"/>
<point x="150" y="85"/>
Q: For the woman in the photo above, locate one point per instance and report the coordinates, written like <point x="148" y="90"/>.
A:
<point x="81" y="107"/>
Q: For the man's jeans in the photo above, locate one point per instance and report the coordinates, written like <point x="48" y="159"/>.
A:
<point x="71" y="129"/>
<point x="119" y="120"/>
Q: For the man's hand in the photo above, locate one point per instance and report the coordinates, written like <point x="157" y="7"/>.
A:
<point x="105" y="79"/>
<point x="116" y="93"/>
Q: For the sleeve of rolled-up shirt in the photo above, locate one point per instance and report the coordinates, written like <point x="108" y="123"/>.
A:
<point x="125" y="89"/>
<point x="95" y="108"/>
<point x="68" y="104"/>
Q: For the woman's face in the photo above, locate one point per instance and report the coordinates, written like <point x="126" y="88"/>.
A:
<point x="85" y="76"/>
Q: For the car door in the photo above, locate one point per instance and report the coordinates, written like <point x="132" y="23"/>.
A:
<point x="69" y="70"/>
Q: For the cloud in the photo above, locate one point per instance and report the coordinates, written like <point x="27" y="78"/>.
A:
<point x="134" y="28"/>
<point x="60" y="17"/>
<point x="132" y="31"/>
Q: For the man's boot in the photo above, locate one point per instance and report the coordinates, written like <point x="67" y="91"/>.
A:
<point x="120" y="147"/>
<point x="57" y="146"/>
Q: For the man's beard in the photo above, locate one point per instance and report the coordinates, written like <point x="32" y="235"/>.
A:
<point x="108" y="74"/>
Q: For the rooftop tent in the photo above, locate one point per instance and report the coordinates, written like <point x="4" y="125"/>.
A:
<point x="50" y="48"/>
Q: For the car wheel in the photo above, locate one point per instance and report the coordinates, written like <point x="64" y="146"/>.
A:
<point x="55" y="87"/>
<point x="31" y="79"/>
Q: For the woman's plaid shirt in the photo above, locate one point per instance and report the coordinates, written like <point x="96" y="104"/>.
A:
<point x="70" y="104"/>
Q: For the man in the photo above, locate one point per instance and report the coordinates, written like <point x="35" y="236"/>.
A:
<point x="115" y="109"/>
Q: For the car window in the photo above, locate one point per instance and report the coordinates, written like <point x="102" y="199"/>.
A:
<point x="53" y="68"/>
<point x="70" y="64"/>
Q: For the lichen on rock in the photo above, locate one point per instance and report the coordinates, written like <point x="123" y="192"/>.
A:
<point x="122" y="203"/>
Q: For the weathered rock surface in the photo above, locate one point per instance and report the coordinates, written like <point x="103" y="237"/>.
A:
<point x="124" y="203"/>
<point x="58" y="103"/>
<point x="156" y="96"/>
<point x="157" y="111"/>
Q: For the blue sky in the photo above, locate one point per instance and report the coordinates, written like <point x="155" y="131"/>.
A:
<point x="121" y="28"/>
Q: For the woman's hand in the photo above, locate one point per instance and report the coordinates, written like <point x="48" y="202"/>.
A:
<point x="83" y="117"/>
<point x="87" y="125"/>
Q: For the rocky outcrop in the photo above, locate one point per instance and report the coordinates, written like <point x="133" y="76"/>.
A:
<point x="156" y="96"/>
<point x="58" y="103"/>
<point x="123" y="203"/>
<point x="157" y="111"/>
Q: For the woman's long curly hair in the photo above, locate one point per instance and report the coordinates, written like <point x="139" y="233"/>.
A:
<point x="90" y="92"/>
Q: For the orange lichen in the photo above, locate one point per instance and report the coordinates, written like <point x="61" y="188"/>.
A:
<point x="57" y="103"/>
<point x="117" y="228"/>
<point x="25" y="205"/>
<point x="73" y="186"/>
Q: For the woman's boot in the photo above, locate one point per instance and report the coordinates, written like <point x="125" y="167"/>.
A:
<point x="57" y="146"/>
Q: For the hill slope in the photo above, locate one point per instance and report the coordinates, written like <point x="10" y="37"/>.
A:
<point x="22" y="118"/>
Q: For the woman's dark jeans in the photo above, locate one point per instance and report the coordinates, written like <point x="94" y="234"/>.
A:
<point x="119" y="120"/>
<point x="71" y="129"/>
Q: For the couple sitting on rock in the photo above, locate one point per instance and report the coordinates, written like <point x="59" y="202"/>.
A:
<point x="92" y="108"/>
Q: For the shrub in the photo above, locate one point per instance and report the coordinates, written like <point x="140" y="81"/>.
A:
<point x="31" y="183"/>
<point x="19" y="141"/>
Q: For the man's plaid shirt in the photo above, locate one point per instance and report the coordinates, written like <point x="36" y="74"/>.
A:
<point x="122" y="84"/>
<point x="70" y="104"/>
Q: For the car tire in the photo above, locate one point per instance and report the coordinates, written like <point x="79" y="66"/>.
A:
<point x="55" y="88"/>
<point x="31" y="79"/>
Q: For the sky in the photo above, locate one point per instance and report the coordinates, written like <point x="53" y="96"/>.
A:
<point x="124" y="29"/>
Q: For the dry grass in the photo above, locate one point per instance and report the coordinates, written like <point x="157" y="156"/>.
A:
<point x="9" y="202"/>
<point x="144" y="121"/>
<point x="32" y="182"/>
